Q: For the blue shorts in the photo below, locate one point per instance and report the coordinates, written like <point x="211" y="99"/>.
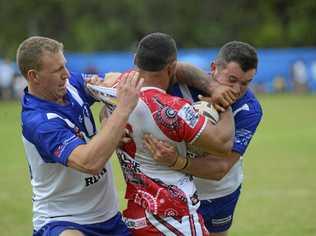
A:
<point x="218" y="213"/>
<point x="113" y="226"/>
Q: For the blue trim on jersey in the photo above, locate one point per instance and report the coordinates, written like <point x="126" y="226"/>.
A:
<point x="247" y="118"/>
<point x="53" y="138"/>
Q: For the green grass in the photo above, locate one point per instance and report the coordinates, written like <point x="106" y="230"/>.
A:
<point x="279" y="192"/>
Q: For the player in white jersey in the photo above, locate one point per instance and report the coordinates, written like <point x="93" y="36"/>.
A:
<point x="220" y="178"/>
<point x="73" y="191"/>
<point x="162" y="200"/>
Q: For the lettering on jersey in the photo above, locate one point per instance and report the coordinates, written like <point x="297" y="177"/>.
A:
<point x="95" y="178"/>
<point x="129" y="167"/>
<point x="189" y="115"/>
<point x="165" y="115"/>
<point x="242" y="137"/>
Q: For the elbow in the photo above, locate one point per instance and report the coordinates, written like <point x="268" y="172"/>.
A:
<point x="94" y="170"/>
<point x="222" y="171"/>
<point x="90" y="168"/>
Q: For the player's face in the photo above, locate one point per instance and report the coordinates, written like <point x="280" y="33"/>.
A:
<point x="52" y="76"/>
<point x="232" y="75"/>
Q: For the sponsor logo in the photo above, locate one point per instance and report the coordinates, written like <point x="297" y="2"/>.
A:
<point x="60" y="148"/>
<point x="189" y="115"/>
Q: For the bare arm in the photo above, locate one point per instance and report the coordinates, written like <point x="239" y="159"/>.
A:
<point x="218" y="138"/>
<point x="211" y="167"/>
<point x="91" y="157"/>
<point x="207" y="167"/>
<point x="193" y="76"/>
<point x="221" y="96"/>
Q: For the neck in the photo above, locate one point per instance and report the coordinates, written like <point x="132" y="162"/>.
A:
<point x="37" y="93"/>
<point x="155" y="79"/>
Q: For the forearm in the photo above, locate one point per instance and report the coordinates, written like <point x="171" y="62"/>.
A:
<point x="211" y="167"/>
<point x="225" y="129"/>
<point x="217" y="138"/>
<point x="92" y="156"/>
<point x="193" y="77"/>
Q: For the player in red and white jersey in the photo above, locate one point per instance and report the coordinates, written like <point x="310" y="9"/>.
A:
<point x="162" y="200"/>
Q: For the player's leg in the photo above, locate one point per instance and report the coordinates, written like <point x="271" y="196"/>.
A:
<point x="218" y="213"/>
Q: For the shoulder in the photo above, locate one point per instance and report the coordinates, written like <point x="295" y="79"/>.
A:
<point x="161" y="98"/>
<point x="247" y="104"/>
<point x="36" y="122"/>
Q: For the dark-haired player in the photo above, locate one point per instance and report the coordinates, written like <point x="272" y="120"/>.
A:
<point x="219" y="179"/>
<point x="161" y="199"/>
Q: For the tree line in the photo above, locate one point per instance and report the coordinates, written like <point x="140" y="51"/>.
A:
<point x="103" y="25"/>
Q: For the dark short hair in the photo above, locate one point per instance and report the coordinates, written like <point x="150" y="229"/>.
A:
<point x="155" y="51"/>
<point x="242" y="53"/>
<point x="31" y="50"/>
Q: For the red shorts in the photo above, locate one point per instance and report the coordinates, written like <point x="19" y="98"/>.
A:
<point x="141" y="222"/>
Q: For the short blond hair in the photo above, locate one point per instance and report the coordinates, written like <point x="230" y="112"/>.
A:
<point x="31" y="50"/>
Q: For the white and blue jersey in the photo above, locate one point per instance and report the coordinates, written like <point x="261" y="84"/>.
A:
<point x="50" y="132"/>
<point x="247" y="115"/>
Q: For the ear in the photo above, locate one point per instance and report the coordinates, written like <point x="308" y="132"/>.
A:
<point x="172" y="68"/>
<point x="213" y="67"/>
<point x="32" y="76"/>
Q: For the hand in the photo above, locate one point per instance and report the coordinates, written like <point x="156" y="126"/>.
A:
<point x="110" y="79"/>
<point x="161" y="151"/>
<point x="222" y="97"/>
<point x="126" y="138"/>
<point x="128" y="91"/>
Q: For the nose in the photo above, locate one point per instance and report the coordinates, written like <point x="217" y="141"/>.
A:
<point x="66" y="73"/>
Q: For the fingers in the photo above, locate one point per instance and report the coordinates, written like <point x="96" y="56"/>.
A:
<point x="219" y="108"/>
<point x="94" y="79"/>
<point x="206" y="99"/>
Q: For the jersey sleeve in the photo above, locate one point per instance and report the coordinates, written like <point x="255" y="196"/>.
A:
<point x="78" y="81"/>
<point x="191" y="123"/>
<point x="245" y="128"/>
<point x="55" y="141"/>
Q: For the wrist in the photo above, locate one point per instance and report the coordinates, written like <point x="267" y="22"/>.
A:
<point x="181" y="163"/>
<point x="123" y="110"/>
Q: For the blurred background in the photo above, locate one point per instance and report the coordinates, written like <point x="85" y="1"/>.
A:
<point x="279" y="193"/>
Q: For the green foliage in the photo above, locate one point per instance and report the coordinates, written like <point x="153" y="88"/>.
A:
<point x="278" y="195"/>
<point x="97" y="25"/>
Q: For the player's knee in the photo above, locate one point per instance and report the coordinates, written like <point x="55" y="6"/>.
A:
<point x="71" y="232"/>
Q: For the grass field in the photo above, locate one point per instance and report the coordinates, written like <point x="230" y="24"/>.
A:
<point x="279" y="192"/>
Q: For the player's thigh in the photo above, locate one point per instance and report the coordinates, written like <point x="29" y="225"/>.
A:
<point x="71" y="232"/>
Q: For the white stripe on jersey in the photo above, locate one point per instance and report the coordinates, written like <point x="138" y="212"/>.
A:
<point x="74" y="93"/>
